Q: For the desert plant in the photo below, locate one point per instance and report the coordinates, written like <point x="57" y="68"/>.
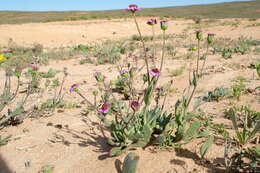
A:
<point x="176" y="72"/>
<point x="217" y="94"/>
<point x="242" y="138"/>
<point x="238" y="88"/>
<point x="143" y="121"/>
<point x="258" y="69"/>
<point x="227" y="53"/>
<point x="4" y="141"/>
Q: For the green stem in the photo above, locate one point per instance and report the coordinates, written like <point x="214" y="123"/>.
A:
<point x="198" y="59"/>
<point x="154" y="48"/>
<point x="191" y="96"/>
<point x="163" y="51"/>
<point x="61" y="87"/>
<point x="204" y="62"/>
<point x="85" y="99"/>
<point x="145" y="54"/>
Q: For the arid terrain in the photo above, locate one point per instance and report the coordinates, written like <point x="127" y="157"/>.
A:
<point x="72" y="142"/>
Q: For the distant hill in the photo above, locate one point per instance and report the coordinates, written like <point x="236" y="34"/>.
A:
<point x="249" y="9"/>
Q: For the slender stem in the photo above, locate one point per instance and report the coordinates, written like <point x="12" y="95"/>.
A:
<point x="198" y="59"/>
<point x="17" y="88"/>
<point x="164" y="100"/>
<point x="163" y="51"/>
<point x="85" y="99"/>
<point x="204" y="62"/>
<point x="191" y="96"/>
<point x="61" y="87"/>
<point x="154" y="48"/>
<point x="118" y="104"/>
<point x="145" y="54"/>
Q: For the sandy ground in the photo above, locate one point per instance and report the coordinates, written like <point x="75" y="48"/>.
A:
<point x="60" y="34"/>
<point x="78" y="146"/>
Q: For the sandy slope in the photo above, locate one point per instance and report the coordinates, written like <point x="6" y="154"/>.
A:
<point x="58" y="34"/>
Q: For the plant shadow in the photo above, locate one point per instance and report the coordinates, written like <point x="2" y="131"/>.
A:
<point x="118" y="166"/>
<point x="83" y="138"/>
<point x="4" y="168"/>
<point x="213" y="167"/>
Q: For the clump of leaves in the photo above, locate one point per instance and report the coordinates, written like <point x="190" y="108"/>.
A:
<point x="217" y="94"/>
<point x="86" y="61"/>
<point x="83" y="48"/>
<point x="4" y="141"/>
<point x="13" y="68"/>
<point x="245" y="133"/>
<point x="238" y="88"/>
<point x="177" y="72"/>
<point x="50" y="74"/>
<point x="47" y="169"/>
<point x="57" y="101"/>
<point x="108" y="52"/>
<point x="242" y="112"/>
<point x="227" y="53"/>
<point x="258" y="69"/>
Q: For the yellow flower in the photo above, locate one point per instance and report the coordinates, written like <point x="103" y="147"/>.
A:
<point x="2" y="58"/>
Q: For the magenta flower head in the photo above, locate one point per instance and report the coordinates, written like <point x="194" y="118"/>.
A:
<point x="199" y="35"/>
<point x="6" y="50"/>
<point x="155" y="72"/>
<point x="210" y="38"/>
<point x="34" y="66"/>
<point x="135" y="105"/>
<point x="133" y="8"/>
<point x="124" y="73"/>
<point x="164" y="25"/>
<point x="159" y="89"/>
<point x="151" y="22"/>
<point x="99" y="77"/>
<point x="104" y="109"/>
<point x="74" y="87"/>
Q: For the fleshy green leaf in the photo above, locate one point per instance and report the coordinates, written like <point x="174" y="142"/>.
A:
<point x="205" y="147"/>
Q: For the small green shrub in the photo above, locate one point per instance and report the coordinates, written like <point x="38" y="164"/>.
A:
<point x="217" y="94"/>
<point x="177" y="72"/>
<point x="238" y="88"/>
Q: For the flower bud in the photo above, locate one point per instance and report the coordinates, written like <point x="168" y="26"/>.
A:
<point x="199" y="35"/>
<point x="164" y="25"/>
<point x="99" y="77"/>
<point x="210" y="38"/>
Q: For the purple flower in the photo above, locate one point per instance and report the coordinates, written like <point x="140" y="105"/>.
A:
<point x="155" y="72"/>
<point x="151" y="22"/>
<point x="159" y="89"/>
<point x="74" y="87"/>
<point x="164" y="25"/>
<point x="135" y="105"/>
<point x="124" y="72"/>
<point x="6" y="50"/>
<point x="34" y="66"/>
<point x="104" y="109"/>
<point x="133" y="8"/>
<point x="199" y="34"/>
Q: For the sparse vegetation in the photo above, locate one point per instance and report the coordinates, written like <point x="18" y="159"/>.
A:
<point x="147" y="93"/>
